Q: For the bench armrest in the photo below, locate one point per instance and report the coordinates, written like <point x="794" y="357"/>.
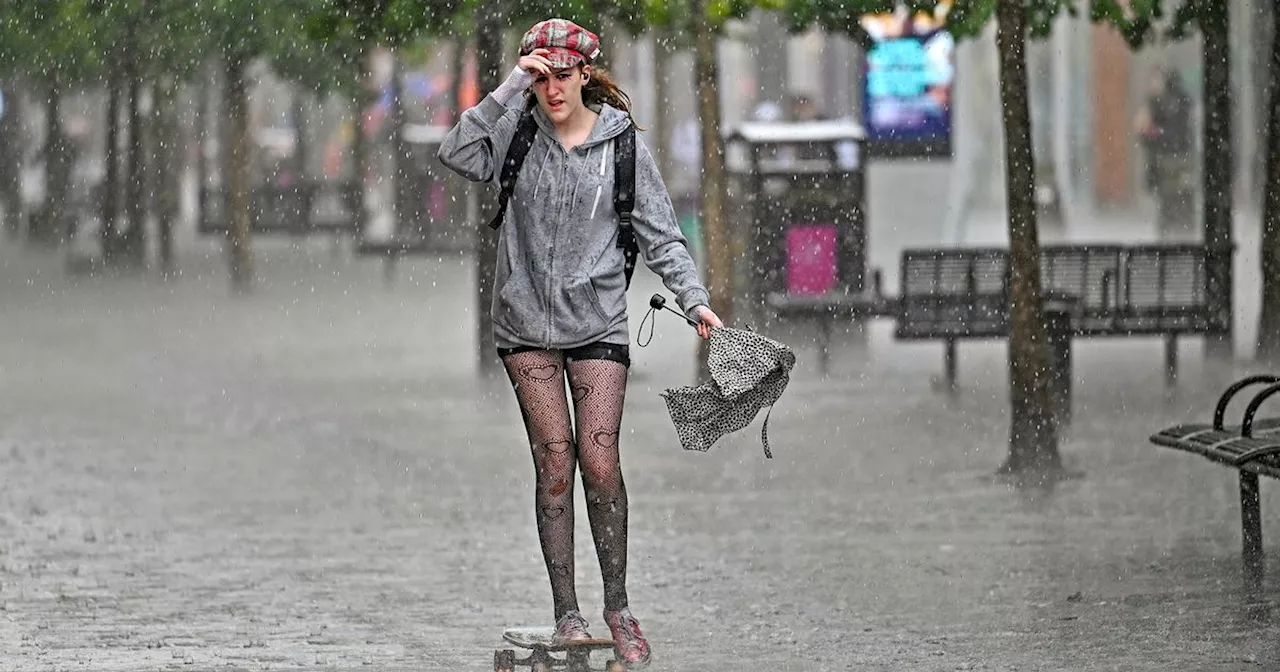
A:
<point x="1246" y="426"/>
<point x="1220" y="411"/>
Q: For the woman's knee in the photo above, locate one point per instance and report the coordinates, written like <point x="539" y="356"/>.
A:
<point x="602" y="476"/>
<point x="553" y="465"/>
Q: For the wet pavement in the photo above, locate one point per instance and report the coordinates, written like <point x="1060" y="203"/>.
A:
<point x="312" y="477"/>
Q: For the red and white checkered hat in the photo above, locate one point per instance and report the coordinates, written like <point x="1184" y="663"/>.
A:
<point x="568" y="42"/>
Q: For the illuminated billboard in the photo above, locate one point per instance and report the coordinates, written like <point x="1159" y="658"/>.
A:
<point x="907" y="83"/>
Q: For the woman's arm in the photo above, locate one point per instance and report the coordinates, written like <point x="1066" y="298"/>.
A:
<point x="480" y="139"/>
<point x="662" y="244"/>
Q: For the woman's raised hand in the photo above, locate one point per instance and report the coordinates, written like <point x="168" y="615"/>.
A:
<point x="536" y="63"/>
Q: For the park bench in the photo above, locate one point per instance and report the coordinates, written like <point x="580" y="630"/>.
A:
<point x="1101" y="290"/>
<point x="956" y="294"/>
<point x="1252" y="448"/>
<point x="953" y="294"/>
<point x="301" y="208"/>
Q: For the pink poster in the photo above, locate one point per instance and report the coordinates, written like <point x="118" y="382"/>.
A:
<point x="811" y="259"/>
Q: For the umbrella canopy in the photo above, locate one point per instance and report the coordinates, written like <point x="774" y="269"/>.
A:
<point x="748" y="373"/>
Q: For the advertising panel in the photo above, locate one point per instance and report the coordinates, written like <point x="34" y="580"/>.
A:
<point x="907" y="83"/>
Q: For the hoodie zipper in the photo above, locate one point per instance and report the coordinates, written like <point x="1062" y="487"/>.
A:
<point x="565" y="157"/>
<point x="551" y="248"/>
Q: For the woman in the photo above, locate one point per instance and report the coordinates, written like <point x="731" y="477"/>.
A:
<point x="559" y="308"/>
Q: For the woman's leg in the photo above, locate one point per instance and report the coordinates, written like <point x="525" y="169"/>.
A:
<point x="598" y="380"/>
<point x="537" y="377"/>
<point x="599" y="388"/>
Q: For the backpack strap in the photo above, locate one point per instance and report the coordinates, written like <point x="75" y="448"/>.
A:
<point x="624" y="195"/>
<point x="526" y="131"/>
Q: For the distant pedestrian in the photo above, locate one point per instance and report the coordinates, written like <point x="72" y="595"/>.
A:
<point x="559" y="308"/>
<point x="1165" y="127"/>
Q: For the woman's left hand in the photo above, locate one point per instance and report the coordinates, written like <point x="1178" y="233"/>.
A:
<point x="706" y="320"/>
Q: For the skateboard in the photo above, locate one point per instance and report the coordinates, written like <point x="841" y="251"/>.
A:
<point x="576" y="655"/>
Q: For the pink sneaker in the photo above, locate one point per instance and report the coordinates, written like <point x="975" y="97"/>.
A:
<point x="628" y="642"/>
<point x="571" y="627"/>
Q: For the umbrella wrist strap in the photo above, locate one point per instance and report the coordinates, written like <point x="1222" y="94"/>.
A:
<point x="648" y="317"/>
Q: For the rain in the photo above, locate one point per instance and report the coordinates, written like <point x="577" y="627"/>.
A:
<point x="995" y="284"/>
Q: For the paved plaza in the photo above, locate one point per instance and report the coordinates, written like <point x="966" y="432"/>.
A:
<point x="313" y="478"/>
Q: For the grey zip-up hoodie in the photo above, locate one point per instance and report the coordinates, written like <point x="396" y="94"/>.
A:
<point x="560" y="281"/>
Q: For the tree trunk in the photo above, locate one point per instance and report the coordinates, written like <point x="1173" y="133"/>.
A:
<point x="301" y="129"/>
<point x="11" y="158"/>
<point x="489" y="21"/>
<point x="239" y="212"/>
<point x="1218" y="167"/>
<point x="200" y="137"/>
<point x="719" y="271"/>
<point x="662" y="52"/>
<point x="405" y="184"/>
<point x="1269" y="322"/>
<point x="359" y="143"/>
<point x="1033" y="441"/>
<point x="169" y="158"/>
<point x="53" y="224"/>
<point x="111" y="180"/>
<point x="135" y="244"/>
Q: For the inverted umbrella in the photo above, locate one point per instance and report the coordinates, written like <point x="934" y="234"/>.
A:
<point x="748" y="372"/>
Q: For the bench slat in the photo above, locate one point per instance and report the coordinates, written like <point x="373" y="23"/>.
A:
<point x="1260" y="453"/>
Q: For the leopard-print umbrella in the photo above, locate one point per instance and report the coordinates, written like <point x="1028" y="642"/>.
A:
<point x="748" y="373"/>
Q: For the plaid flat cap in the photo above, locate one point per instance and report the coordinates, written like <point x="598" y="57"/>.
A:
<point x="568" y="42"/>
<point x="748" y="373"/>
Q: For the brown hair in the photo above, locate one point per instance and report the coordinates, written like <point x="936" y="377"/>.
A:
<point x="600" y="88"/>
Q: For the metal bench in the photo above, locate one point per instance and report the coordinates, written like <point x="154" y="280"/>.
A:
<point x="1107" y="290"/>
<point x="963" y="293"/>
<point x="1252" y="448"/>
<point x="1143" y="290"/>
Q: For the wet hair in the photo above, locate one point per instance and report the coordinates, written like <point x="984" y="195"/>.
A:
<point x="600" y="88"/>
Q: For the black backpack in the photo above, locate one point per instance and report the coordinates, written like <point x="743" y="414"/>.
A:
<point x="624" y="182"/>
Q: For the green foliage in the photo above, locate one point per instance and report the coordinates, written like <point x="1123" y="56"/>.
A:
<point x="1148" y="20"/>
<point x="1137" y="20"/>
<point x="44" y="40"/>
<point x="676" y="16"/>
<point x="390" y="23"/>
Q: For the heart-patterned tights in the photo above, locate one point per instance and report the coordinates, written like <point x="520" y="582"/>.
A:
<point x="597" y="388"/>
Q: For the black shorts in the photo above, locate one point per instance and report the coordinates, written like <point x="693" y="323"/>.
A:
<point x="610" y="351"/>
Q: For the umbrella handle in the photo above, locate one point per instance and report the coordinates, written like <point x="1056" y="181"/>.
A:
<point x="657" y="302"/>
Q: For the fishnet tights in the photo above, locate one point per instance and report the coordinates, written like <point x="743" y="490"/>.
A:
<point x="598" y="389"/>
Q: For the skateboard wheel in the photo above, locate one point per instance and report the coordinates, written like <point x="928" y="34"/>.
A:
<point x="615" y="666"/>
<point x="504" y="661"/>
<point x="541" y="667"/>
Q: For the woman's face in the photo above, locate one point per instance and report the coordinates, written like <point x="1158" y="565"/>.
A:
<point x="560" y="93"/>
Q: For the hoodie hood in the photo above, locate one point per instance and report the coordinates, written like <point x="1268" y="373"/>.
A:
<point x="611" y="123"/>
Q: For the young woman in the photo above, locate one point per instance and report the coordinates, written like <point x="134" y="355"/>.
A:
<point x="559" y="308"/>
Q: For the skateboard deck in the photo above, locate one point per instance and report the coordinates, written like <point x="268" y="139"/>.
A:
<point x="542" y="638"/>
<point x="540" y="642"/>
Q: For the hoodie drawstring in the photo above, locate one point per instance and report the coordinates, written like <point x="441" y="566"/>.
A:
<point x="543" y="166"/>
<point x="604" y="161"/>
